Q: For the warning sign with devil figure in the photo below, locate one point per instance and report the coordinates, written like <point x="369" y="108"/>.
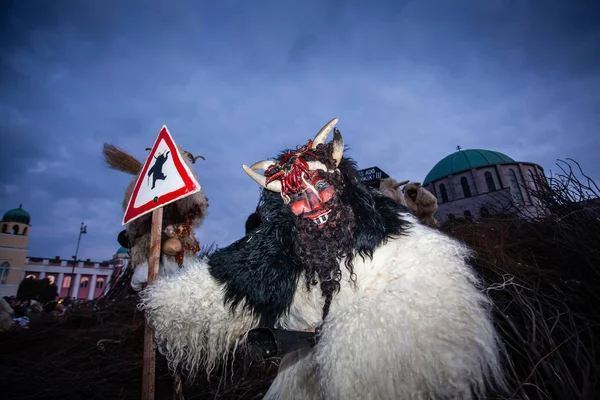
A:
<point x="165" y="178"/>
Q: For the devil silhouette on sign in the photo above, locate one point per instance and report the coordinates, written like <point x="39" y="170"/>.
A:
<point x="156" y="170"/>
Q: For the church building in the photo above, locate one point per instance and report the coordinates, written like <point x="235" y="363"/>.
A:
<point x="472" y="183"/>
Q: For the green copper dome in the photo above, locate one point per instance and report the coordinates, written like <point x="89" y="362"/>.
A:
<point x="463" y="160"/>
<point x="122" y="250"/>
<point x="17" y="215"/>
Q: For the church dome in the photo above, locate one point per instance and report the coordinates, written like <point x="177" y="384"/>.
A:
<point x="17" y="215"/>
<point x="463" y="160"/>
<point x="122" y="250"/>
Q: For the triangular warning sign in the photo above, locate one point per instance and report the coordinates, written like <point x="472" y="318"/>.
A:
<point x="165" y="178"/>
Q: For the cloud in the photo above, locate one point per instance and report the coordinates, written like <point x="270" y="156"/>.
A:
<point x="238" y="82"/>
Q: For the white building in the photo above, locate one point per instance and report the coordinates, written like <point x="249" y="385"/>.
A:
<point x="88" y="279"/>
<point x="471" y="183"/>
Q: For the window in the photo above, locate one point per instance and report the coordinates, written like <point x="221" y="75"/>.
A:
<point x="15" y="230"/>
<point x="468" y="215"/>
<point x="465" y="187"/>
<point x="490" y="181"/>
<point x="51" y="278"/>
<point x="443" y="193"/>
<point x="484" y="212"/>
<point x="4" y="228"/>
<point x="532" y="180"/>
<point x="24" y="231"/>
<point x="4" y="268"/>
<point x="99" y="283"/>
<point x="67" y="282"/>
<point x="31" y="276"/>
<point x="84" y="283"/>
<point x="515" y="185"/>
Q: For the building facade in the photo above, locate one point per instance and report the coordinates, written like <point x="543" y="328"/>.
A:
<point x="471" y="183"/>
<point x="87" y="281"/>
<point x="14" y="241"/>
<point x="84" y="280"/>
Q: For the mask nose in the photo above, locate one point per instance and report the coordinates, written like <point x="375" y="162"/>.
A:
<point x="313" y="202"/>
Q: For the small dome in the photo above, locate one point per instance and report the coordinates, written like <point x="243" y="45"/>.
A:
<point x="17" y="215"/>
<point x="122" y="250"/>
<point x="464" y="160"/>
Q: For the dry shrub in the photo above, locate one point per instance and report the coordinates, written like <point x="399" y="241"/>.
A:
<point x="542" y="272"/>
<point x="85" y="355"/>
<point x="98" y="354"/>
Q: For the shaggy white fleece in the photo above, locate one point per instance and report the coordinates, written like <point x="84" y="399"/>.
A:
<point x="168" y="267"/>
<point x="192" y="326"/>
<point x="414" y="326"/>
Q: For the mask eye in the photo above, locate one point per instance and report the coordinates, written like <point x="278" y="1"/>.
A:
<point x="320" y="185"/>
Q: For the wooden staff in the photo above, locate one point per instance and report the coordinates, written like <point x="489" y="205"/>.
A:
<point x="148" y="377"/>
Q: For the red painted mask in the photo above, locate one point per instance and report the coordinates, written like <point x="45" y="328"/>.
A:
<point x="296" y="177"/>
<point x="315" y="202"/>
<point x="307" y="193"/>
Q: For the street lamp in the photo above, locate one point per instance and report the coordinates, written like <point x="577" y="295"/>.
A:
<point x="82" y="231"/>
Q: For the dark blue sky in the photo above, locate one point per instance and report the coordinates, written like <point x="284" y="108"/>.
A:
<point x="236" y="81"/>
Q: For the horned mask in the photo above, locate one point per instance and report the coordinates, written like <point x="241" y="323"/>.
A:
<point x="298" y="176"/>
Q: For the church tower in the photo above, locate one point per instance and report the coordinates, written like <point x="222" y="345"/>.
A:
<point x="14" y="240"/>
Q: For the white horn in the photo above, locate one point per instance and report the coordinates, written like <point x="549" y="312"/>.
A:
<point x="338" y="147"/>
<point x="323" y="133"/>
<point x="263" y="165"/>
<point x="274" y="186"/>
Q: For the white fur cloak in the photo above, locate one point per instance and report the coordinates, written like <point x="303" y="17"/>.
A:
<point x="167" y="267"/>
<point x="414" y="326"/>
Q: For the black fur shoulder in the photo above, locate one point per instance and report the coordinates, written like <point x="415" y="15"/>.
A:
<point x="377" y="216"/>
<point x="260" y="268"/>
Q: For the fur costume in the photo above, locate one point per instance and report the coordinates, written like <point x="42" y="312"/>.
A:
<point x="400" y="312"/>
<point x="422" y="203"/>
<point x="179" y="242"/>
<point x="253" y="221"/>
<point x="391" y="188"/>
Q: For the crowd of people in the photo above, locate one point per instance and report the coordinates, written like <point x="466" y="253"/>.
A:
<point x="17" y="314"/>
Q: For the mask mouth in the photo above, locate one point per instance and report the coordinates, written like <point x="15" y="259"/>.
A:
<point x="320" y="218"/>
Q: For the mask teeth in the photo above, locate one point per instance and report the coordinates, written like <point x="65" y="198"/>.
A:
<point x="322" y="218"/>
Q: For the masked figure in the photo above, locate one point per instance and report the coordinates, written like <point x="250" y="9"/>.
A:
<point x="180" y="218"/>
<point x="360" y="299"/>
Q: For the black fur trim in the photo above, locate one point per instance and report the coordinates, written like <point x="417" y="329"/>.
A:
<point x="376" y="215"/>
<point x="253" y="222"/>
<point x="259" y="268"/>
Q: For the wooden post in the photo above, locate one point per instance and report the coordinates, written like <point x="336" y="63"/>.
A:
<point x="148" y="378"/>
